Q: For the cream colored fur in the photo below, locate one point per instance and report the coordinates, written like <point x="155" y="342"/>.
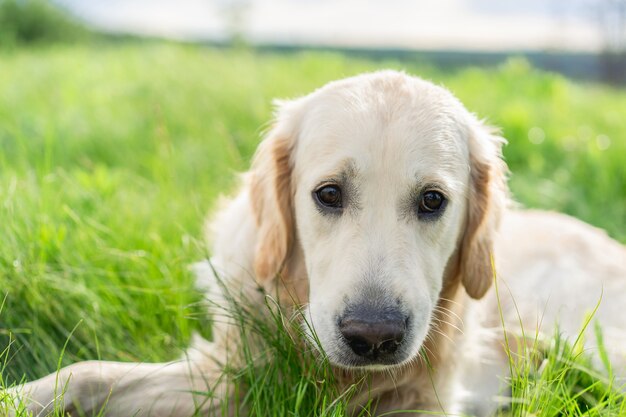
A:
<point x="392" y="135"/>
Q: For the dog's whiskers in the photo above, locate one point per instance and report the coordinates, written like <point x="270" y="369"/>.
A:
<point x="439" y="321"/>
<point x="448" y="312"/>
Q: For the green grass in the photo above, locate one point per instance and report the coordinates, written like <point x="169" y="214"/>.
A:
<point x="300" y="383"/>
<point x="561" y="380"/>
<point x="111" y="156"/>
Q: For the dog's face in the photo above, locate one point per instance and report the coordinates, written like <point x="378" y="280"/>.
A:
<point x="381" y="199"/>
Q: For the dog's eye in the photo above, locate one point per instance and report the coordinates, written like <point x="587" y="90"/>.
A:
<point x="431" y="203"/>
<point x="329" y="196"/>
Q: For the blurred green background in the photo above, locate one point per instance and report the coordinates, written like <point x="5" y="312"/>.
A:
<point x="113" y="150"/>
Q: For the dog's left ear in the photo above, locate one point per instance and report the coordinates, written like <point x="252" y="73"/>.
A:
<point x="487" y="198"/>
<point x="271" y="195"/>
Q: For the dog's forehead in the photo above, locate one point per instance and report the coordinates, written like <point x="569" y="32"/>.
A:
<point x="394" y="122"/>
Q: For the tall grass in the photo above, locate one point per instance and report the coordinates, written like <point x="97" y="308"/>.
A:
<point x="562" y="380"/>
<point x="300" y="383"/>
<point x="112" y="156"/>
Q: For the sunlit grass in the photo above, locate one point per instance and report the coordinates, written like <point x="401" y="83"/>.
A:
<point x="300" y="383"/>
<point x="560" y="379"/>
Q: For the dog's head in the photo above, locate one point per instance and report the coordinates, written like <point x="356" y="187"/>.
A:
<point x="391" y="190"/>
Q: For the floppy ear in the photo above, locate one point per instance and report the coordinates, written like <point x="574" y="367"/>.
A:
<point x="271" y="196"/>
<point x="486" y="201"/>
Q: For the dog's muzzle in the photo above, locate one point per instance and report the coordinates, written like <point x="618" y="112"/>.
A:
<point x="374" y="335"/>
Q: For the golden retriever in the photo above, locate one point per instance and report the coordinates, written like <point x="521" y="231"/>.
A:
<point x="378" y="202"/>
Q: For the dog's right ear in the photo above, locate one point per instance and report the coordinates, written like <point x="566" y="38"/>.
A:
<point x="271" y="194"/>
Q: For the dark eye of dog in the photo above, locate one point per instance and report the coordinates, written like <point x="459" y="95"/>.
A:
<point x="329" y="196"/>
<point x="431" y="203"/>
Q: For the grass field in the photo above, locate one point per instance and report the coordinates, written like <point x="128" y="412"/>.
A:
<point x="111" y="157"/>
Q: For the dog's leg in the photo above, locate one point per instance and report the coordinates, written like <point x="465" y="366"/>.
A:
<point x="194" y="384"/>
<point x="180" y="388"/>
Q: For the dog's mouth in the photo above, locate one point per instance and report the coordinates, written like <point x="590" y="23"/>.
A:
<point x="374" y="363"/>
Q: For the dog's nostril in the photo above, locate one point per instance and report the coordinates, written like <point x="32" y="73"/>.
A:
<point x="360" y="346"/>
<point x="370" y="339"/>
<point x="389" y="346"/>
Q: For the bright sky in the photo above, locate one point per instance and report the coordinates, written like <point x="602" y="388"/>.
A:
<point x="419" y="24"/>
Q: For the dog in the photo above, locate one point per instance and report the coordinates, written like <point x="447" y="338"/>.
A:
<point x="379" y="204"/>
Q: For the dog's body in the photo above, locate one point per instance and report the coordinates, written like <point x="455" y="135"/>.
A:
<point x="375" y="202"/>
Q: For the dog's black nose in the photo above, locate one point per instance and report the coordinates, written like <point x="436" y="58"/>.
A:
<point x="372" y="338"/>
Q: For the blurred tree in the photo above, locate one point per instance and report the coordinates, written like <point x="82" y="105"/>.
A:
<point x="611" y="19"/>
<point x="25" y="22"/>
